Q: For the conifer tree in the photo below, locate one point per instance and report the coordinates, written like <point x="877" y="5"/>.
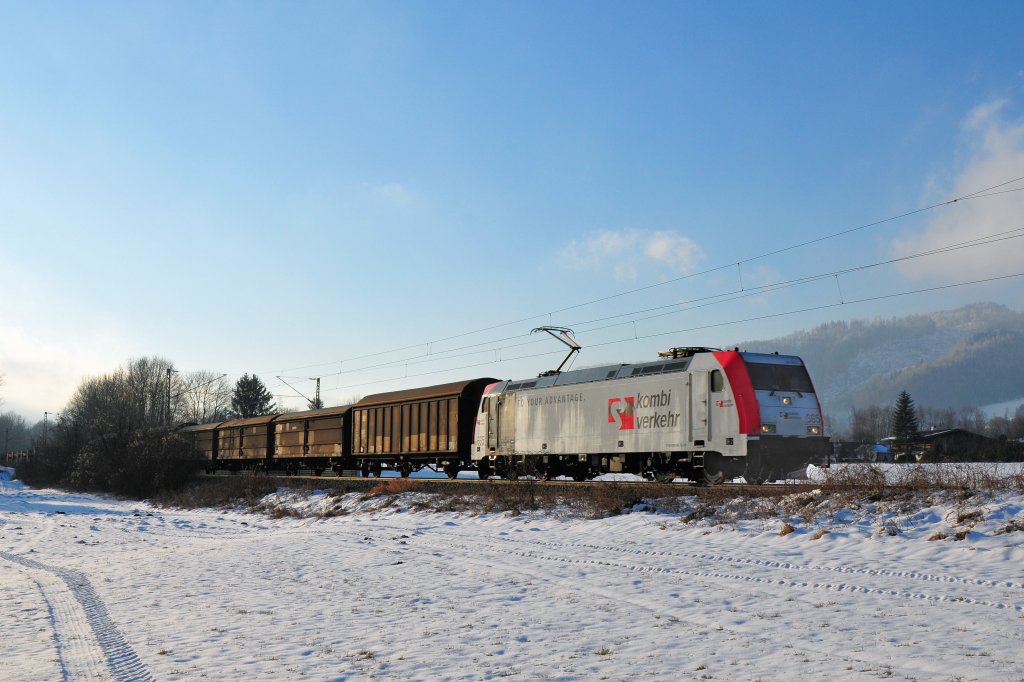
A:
<point x="904" y="423"/>
<point x="251" y="398"/>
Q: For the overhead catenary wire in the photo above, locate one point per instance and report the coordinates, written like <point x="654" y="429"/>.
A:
<point x="977" y="194"/>
<point x="714" y="325"/>
<point x="675" y="308"/>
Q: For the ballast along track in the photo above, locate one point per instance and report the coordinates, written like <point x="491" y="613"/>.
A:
<point x="443" y="484"/>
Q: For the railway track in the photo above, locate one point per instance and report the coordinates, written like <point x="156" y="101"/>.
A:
<point x="358" y="482"/>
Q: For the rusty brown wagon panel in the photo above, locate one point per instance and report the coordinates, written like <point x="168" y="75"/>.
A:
<point x="246" y="439"/>
<point x="420" y="423"/>
<point x="203" y="439"/>
<point x="313" y="433"/>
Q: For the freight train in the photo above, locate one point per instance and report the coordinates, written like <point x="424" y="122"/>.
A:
<point x="703" y="414"/>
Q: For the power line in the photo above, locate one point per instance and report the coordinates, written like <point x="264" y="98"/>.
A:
<point x="676" y="308"/>
<point x="981" y="193"/>
<point x="758" y="318"/>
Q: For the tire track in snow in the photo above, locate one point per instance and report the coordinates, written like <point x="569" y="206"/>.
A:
<point x="751" y="633"/>
<point x="89" y="645"/>
<point x="777" y="565"/>
<point x="508" y="546"/>
<point x="777" y="581"/>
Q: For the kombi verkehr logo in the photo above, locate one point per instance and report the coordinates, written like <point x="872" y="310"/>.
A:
<point x="620" y="410"/>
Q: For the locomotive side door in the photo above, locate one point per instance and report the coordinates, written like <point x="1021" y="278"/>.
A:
<point x="506" y="423"/>
<point x="492" y="423"/>
<point x="699" y="413"/>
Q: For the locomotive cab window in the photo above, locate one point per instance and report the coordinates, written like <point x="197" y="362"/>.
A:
<point x="717" y="381"/>
<point x="766" y="377"/>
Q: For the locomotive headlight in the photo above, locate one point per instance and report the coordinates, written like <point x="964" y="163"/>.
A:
<point x="787" y="400"/>
<point x="767" y="428"/>
<point x="814" y="430"/>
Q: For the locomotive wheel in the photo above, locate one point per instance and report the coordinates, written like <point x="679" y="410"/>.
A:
<point x="504" y="468"/>
<point x="755" y="475"/>
<point x="757" y="472"/>
<point x="713" y="472"/>
<point x="754" y="479"/>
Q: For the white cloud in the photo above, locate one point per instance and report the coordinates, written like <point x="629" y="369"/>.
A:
<point x="628" y="252"/>
<point x="982" y="115"/>
<point x="995" y="154"/>
<point x="393" y="193"/>
<point x="678" y="252"/>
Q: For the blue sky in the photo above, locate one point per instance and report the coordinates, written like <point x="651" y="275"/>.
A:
<point x="283" y="188"/>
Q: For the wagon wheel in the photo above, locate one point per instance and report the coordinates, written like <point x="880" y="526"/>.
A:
<point x="404" y="469"/>
<point x="483" y="469"/>
<point x="452" y="470"/>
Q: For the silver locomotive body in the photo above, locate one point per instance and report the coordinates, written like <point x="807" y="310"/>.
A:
<point x="702" y="414"/>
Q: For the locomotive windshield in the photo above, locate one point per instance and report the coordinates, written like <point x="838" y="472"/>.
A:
<point x="767" y="377"/>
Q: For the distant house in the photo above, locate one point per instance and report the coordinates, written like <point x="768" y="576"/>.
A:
<point x="955" y="445"/>
<point x="960" y="445"/>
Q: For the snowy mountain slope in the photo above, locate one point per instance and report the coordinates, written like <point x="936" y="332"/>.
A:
<point x="967" y="357"/>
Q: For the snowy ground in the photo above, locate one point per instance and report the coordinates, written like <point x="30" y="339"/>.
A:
<point x="96" y="589"/>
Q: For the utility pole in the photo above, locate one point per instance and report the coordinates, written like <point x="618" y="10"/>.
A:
<point x="169" y="372"/>
<point x="45" y="428"/>
<point x="312" y="404"/>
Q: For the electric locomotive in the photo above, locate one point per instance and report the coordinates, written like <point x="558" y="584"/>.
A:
<point x="697" y="413"/>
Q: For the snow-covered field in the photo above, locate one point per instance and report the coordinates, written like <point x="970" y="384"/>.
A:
<point x="93" y="588"/>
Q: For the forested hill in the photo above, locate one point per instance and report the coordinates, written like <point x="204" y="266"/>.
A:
<point x="968" y="357"/>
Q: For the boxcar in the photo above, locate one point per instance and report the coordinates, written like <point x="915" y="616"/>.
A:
<point x="246" y="443"/>
<point x="203" y="439"/>
<point x="419" y="427"/>
<point x="316" y="439"/>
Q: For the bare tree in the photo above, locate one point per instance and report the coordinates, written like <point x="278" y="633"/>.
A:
<point x="132" y="397"/>
<point x="202" y="397"/>
<point x="14" y="432"/>
<point x="870" y="424"/>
